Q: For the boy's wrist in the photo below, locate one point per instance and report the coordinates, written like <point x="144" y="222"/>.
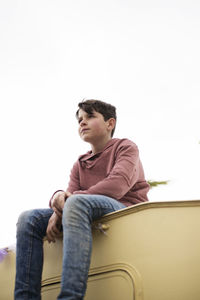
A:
<point x="54" y="196"/>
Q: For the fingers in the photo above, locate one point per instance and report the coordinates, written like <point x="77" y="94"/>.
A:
<point x="58" y="207"/>
<point x="58" y="203"/>
<point x="58" y="212"/>
<point x="53" y="228"/>
<point x="52" y="234"/>
<point x="67" y="194"/>
<point x="50" y="237"/>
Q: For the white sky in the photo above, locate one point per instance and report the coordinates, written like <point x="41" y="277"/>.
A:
<point x="141" y="56"/>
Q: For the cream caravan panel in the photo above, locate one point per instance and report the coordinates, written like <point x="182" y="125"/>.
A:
<point x="51" y="291"/>
<point x="111" y="285"/>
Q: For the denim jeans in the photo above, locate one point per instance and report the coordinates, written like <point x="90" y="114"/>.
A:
<point x="78" y="213"/>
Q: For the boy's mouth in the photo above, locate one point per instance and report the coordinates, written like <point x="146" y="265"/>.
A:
<point x="84" y="130"/>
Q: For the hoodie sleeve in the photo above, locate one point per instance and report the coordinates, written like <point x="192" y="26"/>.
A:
<point x="74" y="182"/>
<point x="73" y="185"/>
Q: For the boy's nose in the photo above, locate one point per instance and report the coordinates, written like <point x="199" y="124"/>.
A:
<point x="83" y="122"/>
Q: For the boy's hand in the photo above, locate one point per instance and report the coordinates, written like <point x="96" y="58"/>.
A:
<point x="53" y="228"/>
<point x="59" y="202"/>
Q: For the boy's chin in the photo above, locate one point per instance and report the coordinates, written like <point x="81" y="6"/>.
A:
<point x="85" y="139"/>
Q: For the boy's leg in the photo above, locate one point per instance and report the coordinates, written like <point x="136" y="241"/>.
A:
<point x="78" y="213"/>
<point x="31" y="229"/>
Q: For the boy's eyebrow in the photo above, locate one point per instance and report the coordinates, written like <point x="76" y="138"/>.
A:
<point x="88" y="114"/>
<point x="91" y="113"/>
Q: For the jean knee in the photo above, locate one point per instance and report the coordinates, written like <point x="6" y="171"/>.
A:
<point x="28" y="219"/>
<point x="76" y="211"/>
<point x="24" y="219"/>
<point x="75" y="202"/>
<point x="76" y="206"/>
<point x="34" y="222"/>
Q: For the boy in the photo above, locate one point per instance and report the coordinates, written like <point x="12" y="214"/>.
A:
<point x="107" y="178"/>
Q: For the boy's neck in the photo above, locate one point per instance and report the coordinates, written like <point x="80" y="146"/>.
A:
<point x="99" y="146"/>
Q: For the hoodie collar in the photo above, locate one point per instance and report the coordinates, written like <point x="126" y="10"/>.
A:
<point x="90" y="156"/>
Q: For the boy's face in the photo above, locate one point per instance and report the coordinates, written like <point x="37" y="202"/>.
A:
<point x="92" y="127"/>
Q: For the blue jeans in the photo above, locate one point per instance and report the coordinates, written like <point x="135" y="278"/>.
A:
<point x="78" y="213"/>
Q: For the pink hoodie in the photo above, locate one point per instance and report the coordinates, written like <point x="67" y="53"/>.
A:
<point x="115" y="172"/>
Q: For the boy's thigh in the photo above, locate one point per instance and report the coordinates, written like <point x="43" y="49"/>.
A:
<point x="96" y="205"/>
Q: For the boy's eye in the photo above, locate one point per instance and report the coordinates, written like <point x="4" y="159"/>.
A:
<point x="91" y="116"/>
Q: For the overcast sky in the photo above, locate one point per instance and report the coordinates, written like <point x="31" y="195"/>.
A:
<point x="141" y="56"/>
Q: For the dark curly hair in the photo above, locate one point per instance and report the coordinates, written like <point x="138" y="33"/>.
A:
<point x="107" y="110"/>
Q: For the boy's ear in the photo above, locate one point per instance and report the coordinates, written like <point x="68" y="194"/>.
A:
<point x="111" y="124"/>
